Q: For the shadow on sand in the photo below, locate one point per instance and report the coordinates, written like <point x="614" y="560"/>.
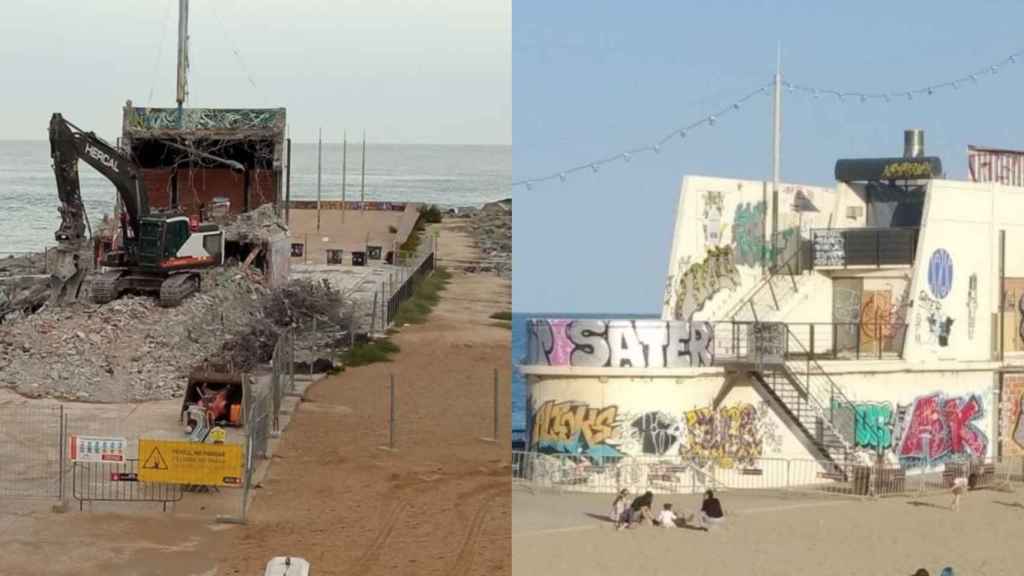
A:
<point x="1008" y="504"/>
<point x="679" y="523"/>
<point x="919" y="503"/>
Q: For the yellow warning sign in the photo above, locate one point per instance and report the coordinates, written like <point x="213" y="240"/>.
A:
<point x="173" y="462"/>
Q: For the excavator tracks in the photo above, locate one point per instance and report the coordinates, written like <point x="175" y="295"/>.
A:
<point x="178" y="287"/>
<point x="105" y="287"/>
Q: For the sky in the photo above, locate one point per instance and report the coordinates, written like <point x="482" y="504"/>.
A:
<point x="594" y="78"/>
<point x="412" y="71"/>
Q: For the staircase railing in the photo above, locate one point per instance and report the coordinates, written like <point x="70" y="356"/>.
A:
<point x="790" y="267"/>
<point x="841" y="415"/>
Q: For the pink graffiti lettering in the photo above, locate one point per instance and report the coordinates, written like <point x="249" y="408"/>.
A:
<point x="948" y="422"/>
<point x="562" y="346"/>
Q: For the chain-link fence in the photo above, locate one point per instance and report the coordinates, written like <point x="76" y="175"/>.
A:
<point x="31" y="450"/>
<point x="282" y="380"/>
<point x="682" y="475"/>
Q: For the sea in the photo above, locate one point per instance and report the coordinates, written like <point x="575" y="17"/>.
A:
<point x="519" y="320"/>
<point x="446" y="175"/>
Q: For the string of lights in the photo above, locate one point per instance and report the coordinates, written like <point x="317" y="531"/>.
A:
<point x="816" y="92"/>
<point x="888" y="96"/>
<point x="625" y="156"/>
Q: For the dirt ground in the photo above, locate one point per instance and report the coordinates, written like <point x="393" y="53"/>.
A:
<point x="774" y="535"/>
<point x="440" y="503"/>
<point x="437" y="505"/>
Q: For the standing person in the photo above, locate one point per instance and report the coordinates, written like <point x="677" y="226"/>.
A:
<point x="959" y="487"/>
<point x="619" y="508"/>
<point x="710" y="513"/>
<point x="667" y="518"/>
<point x="640" y="509"/>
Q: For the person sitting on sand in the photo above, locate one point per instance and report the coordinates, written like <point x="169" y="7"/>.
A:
<point x="959" y="487"/>
<point x="710" y="513"/>
<point x="619" y="508"/>
<point x="920" y="572"/>
<point x="640" y="509"/>
<point x="666" y="518"/>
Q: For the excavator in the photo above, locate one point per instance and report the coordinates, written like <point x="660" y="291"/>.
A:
<point x="161" y="253"/>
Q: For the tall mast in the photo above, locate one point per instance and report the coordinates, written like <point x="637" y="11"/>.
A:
<point x="182" y="90"/>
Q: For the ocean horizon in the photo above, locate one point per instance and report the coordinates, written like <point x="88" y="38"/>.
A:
<point x="519" y="319"/>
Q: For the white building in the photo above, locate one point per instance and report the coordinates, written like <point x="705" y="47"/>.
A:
<point x="804" y="327"/>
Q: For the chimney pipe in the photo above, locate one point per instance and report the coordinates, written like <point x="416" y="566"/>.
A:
<point x="913" y="143"/>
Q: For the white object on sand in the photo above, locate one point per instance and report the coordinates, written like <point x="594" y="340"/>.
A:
<point x="287" y="566"/>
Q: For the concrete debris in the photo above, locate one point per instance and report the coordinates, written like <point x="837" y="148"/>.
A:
<point x="254" y="227"/>
<point x="130" y="349"/>
<point x="491" y="226"/>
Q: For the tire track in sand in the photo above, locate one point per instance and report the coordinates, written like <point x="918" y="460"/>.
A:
<point x="372" y="551"/>
<point x="464" y="560"/>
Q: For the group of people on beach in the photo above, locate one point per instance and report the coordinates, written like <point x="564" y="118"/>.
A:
<point x="641" y="511"/>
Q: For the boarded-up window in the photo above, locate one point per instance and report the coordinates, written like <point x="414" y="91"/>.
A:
<point x="334" y="256"/>
<point x="1013" y="315"/>
<point x="297" y="250"/>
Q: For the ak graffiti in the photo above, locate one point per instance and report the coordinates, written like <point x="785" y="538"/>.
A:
<point x="619" y="343"/>
<point x="948" y="425"/>
<point x="695" y="286"/>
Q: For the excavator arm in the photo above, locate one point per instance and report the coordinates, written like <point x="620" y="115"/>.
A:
<point x="68" y="145"/>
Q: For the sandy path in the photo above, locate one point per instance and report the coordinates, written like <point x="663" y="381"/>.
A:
<point x="440" y="504"/>
<point x="774" y="536"/>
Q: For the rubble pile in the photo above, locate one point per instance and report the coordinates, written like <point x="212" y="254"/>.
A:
<point x="254" y="227"/>
<point x="313" y="308"/>
<point x="24" y="286"/>
<point x="130" y="349"/>
<point x="492" y="228"/>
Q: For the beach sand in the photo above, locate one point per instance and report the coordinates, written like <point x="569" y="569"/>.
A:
<point x="773" y="535"/>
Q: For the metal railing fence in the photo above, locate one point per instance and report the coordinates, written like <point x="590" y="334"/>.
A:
<point x="118" y="482"/>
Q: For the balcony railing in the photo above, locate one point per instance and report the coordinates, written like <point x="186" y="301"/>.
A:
<point x="761" y="343"/>
<point x="845" y="247"/>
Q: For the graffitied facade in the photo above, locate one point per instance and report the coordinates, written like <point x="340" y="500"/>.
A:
<point x="908" y="347"/>
<point x="573" y="428"/>
<point x="619" y="343"/>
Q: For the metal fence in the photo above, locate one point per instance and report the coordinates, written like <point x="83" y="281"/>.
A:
<point x="282" y="380"/>
<point x="810" y="340"/>
<point x="118" y="482"/>
<point x="422" y="267"/>
<point x="31" y="451"/>
<point x="681" y="475"/>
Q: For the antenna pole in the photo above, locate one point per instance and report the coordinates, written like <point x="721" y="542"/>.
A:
<point x="182" y="88"/>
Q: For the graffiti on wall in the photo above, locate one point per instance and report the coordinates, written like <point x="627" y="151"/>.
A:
<point x="619" y="343"/>
<point x="1013" y="314"/>
<point x="748" y="233"/>
<point x="702" y="280"/>
<point x="972" y="305"/>
<point x="938" y="427"/>
<point x="714" y="206"/>
<point x="726" y="437"/>
<point x="574" y="428"/>
<point x="940" y="273"/>
<point x="655" y="432"/>
<point x="874" y="425"/>
<point x="1011" y="415"/>
<point x="939" y="323"/>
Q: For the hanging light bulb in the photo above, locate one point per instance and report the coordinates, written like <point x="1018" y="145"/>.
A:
<point x="711" y="120"/>
<point x="994" y="69"/>
<point x="736" y="106"/>
<point x="656" y="148"/>
<point x="956" y="85"/>
<point x="930" y="92"/>
<point x="974" y="78"/>
<point x="529" y="186"/>
<point x="682" y="133"/>
<point x="594" y="168"/>
<point x="863" y="98"/>
<point x="886" y="96"/>
<point x="910" y="95"/>
<point x="840" y="97"/>
<point x="1013" y="59"/>
<point x="562" y="176"/>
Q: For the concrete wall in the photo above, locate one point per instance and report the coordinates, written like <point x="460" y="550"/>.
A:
<point x="673" y="414"/>
<point x="955" y="287"/>
<point x="722" y="241"/>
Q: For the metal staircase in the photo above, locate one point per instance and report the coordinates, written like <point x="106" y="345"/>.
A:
<point x="801" y="388"/>
<point x="772" y="294"/>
